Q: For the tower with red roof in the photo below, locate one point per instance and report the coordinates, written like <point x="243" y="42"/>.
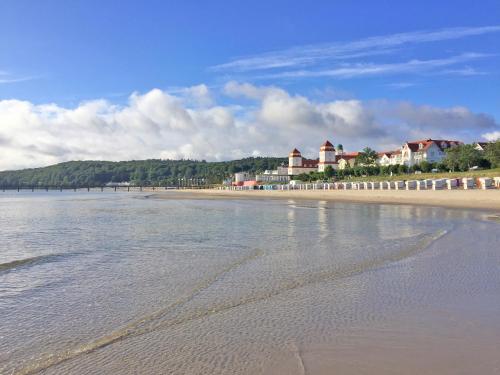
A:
<point x="326" y="156"/>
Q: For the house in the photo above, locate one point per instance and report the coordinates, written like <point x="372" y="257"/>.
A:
<point x="430" y="150"/>
<point x="396" y="158"/>
<point x="481" y="146"/>
<point x="241" y="177"/>
<point x="384" y="158"/>
<point x="387" y="158"/>
<point x="347" y="159"/>
<point x="278" y="175"/>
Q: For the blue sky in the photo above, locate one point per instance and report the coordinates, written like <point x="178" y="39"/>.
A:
<point x="436" y="58"/>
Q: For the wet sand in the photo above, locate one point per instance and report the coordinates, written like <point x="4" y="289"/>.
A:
<point x="469" y="199"/>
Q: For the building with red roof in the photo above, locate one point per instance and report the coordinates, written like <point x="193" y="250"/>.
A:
<point x="430" y="150"/>
<point x="327" y="157"/>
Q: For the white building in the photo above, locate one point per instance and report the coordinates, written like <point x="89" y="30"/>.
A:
<point x="242" y="177"/>
<point x="415" y="152"/>
<point x="430" y="150"/>
<point x="481" y="146"/>
<point x="297" y="164"/>
<point x="384" y="158"/>
<point x="387" y="158"/>
<point x="278" y="175"/>
<point x="347" y="160"/>
<point x="327" y="156"/>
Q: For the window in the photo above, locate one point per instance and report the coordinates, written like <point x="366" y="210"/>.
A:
<point x="420" y="146"/>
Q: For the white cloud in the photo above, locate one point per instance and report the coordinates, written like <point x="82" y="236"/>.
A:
<point x="247" y="90"/>
<point x="258" y="121"/>
<point x="307" y="55"/>
<point x="491" y="137"/>
<point x="363" y="70"/>
<point x="15" y="80"/>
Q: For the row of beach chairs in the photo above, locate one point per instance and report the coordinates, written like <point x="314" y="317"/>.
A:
<point x="430" y="184"/>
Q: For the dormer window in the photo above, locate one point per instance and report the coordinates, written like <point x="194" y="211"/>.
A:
<point x="420" y="146"/>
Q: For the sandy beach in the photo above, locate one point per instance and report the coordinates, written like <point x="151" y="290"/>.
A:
<point x="469" y="199"/>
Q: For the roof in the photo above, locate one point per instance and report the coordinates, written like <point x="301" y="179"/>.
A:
<point x="349" y="155"/>
<point x="386" y="153"/>
<point x="295" y="152"/>
<point x="427" y="143"/>
<point x="327" y="146"/>
<point x="309" y="163"/>
<point x="356" y="153"/>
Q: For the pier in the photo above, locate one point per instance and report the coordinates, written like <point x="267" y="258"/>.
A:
<point x="130" y="188"/>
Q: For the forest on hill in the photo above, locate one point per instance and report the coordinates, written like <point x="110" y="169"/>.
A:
<point x="152" y="172"/>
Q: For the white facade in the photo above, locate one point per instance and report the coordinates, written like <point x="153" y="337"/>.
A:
<point x="384" y="159"/>
<point x="396" y="158"/>
<point x="298" y="165"/>
<point x="414" y="153"/>
<point x="480" y="146"/>
<point x="278" y="175"/>
<point x="411" y="156"/>
<point x="299" y="170"/>
<point x="242" y="177"/>
<point x="272" y="178"/>
<point x="327" y="156"/>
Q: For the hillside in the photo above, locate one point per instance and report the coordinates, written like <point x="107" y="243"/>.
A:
<point x="140" y="172"/>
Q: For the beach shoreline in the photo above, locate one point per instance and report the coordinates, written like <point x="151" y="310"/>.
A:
<point x="485" y="200"/>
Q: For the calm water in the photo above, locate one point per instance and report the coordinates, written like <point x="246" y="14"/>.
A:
<point x="123" y="283"/>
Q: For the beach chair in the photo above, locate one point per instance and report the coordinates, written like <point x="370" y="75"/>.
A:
<point x="451" y="183"/>
<point x="411" y="185"/>
<point x="437" y="184"/>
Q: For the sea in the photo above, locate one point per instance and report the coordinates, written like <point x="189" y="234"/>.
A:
<point x="169" y="283"/>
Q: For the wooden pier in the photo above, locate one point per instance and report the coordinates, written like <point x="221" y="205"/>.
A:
<point x="130" y="188"/>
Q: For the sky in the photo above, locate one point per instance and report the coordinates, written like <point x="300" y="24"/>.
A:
<point x="221" y="80"/>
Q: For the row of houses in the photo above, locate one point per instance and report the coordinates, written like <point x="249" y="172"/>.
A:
<point x="414" y="153"/>
<point x="409" y="154"/>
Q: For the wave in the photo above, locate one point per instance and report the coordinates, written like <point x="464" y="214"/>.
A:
<point x="159" y="320"/>
<point x="32" y="261"/>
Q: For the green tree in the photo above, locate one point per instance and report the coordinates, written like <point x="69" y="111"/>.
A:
<point x="402" y="169"/>
<point x="451" y="159"/>
<point x="303" y="177"/>
<point x="425" y="166"/>
<point x="329" y="172"/>
<point x="469" y="157"/>
<point x="492" y="154"/>
<point x="96" y="173"/>
<point x="366" y="157"/>
<point x="462" y="157"/>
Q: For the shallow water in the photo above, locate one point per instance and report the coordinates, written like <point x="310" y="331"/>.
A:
<point x="124" y="283"/>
